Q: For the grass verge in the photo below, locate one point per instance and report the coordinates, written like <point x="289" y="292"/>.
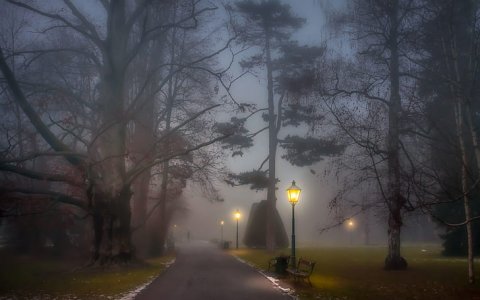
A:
<point x="26" y="277"/>
<point x="356" y="273"/>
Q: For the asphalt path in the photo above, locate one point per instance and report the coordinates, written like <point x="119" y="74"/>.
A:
<point x="201" y="271"/>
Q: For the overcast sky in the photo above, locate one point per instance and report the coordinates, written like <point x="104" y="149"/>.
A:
<point x="312" y="211"/>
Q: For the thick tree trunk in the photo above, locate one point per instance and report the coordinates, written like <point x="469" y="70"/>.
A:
<point x="124" y="250"/>
<point x="394" y="260"/>
<point x="144" y="135"/>
<point x="110" y="199"/>
<point x="142" y="143"/>
<point x="395" y="201"/>
<point x="164" y="221"/>
<point x="140" y="200"/>
<point x="272" y="153"/>
<point x="111" y="226"/>
<point x="97" y="220"/>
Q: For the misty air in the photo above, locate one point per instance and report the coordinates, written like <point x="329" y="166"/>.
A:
<point x="239" y="149"/>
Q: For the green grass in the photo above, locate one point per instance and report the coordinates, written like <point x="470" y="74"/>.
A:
<point x="25" y="277"/>
<point x="356" y="273"/>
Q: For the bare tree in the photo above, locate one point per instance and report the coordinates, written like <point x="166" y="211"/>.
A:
<point x="373" y="82"/>
<point x="110" y="45"/>
<point x="449" y="64"/>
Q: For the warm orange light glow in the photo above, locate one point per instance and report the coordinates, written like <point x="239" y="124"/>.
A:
<point x="293" y="193"/>
<point x="237" y="215"/>
<point x="350" y="223"/>
<point x="222" y="222"/>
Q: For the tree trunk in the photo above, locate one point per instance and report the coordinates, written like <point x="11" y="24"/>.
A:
<point x="140" y="200"/>
<point x="395" y="201"/>
<point x="272" y="152"/>
<point x="124" y="251"/>
<point x="463" y="114"/>
<point x="111" y="226"/>
<point x="142" y="145"/>
<point x="394" y="260"/>
<point x="366" y="226"/>
<point x="459" y="120"/>
<point x="164" y="221"/>
<point x="111" y="197"/>
<point x="97" y="220"/>
<point x="144" y="135"/>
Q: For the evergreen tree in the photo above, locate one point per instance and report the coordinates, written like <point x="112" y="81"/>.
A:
<point x="291" y="75"/>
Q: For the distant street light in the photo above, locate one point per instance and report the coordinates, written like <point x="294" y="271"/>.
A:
<point x="293" y="193"/>
<point x="351" y="227"/>
<point x="221" y="232"/>
<point x="237" y="217"/>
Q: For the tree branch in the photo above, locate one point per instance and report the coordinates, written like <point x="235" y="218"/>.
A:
<point x="37" y="122"/>
<point x="59" y="197"/>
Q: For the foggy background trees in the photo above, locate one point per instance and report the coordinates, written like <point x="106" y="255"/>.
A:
<point x="114" y="102"/>
<point x="386" y="99"/>
<point x="111" y="110"/>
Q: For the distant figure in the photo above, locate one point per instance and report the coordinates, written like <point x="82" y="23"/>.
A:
<point x="188" y="236"/>
<point x="170" y="243"/>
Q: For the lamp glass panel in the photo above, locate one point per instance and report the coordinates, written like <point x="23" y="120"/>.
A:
<point x="293" y="195"/>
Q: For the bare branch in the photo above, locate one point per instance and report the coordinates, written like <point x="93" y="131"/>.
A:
<point x="44" y="131"/>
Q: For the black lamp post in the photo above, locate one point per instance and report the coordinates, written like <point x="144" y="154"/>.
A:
<point x="221" y="233"/>
<point x="351" y="227"/>
<point x="293" y="193"/>
<point x="237" y="217"/>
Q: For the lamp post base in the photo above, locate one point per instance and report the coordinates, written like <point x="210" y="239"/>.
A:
<point x="293" y="260"/>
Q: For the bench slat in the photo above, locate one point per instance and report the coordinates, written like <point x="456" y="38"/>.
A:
<point x="303" y="270"/>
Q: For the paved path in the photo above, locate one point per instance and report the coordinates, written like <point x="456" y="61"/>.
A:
<point x="201" y="271"/>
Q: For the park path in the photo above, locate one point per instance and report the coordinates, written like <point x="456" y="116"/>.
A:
<point x="201" y="271"/>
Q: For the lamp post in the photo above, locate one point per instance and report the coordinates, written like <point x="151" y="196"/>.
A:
<point x="351" y="226"/>
<point x="221" y="232"/>
<point x="174" y="232"/>
<point x="237" y="217"/>
<point x="293" y="193"/>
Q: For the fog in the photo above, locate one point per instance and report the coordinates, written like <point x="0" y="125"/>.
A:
<point x="318" y="188"/>
<point x="313" y="213"/>
<point x="239" y="149"/>
<point x="318" y="184"/>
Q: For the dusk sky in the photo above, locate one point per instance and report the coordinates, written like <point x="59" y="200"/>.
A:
<point x="317" y="190"/>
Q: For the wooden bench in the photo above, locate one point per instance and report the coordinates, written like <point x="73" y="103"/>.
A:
<point x="303" y="270"/>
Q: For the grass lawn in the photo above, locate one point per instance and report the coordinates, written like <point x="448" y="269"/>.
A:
<point x="25" y="277"/>
<point x="356" y="273"/>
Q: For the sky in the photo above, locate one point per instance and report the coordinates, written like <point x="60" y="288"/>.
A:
<point x="312" y="211"/>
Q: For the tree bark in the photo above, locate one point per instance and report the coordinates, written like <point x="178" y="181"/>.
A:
<point x="141" y="146"/>
<point x="459" y="120"/>
<point x="394" y="260"/>
<point x="272" y="151"/>
<point x="463" y="117"/>
<point x="111" y="200"/>
<point x="164" y="221"/>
